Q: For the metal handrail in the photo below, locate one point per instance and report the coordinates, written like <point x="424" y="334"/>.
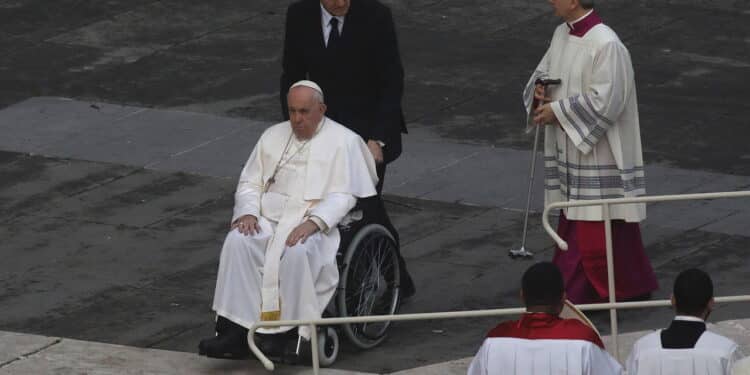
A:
<point x="611" y="305"/>
<point x="313" y="323"/>
<point x="605" y="203"/>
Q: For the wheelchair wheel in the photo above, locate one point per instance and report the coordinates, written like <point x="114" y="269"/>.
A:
<point x="369" y="285"/>
<point x="328" y="348"/>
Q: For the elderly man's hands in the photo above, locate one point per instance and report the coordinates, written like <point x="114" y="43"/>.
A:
<point x="301" y="233"/>
<point x="543" y="114"/>
<point x="539" y="95"/>
<point x="247" y="225"/>
<point x="375" y="150"/>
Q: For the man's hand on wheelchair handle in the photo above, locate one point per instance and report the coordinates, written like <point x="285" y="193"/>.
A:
<point x="376" y="150"/>
<point x="247" y="225"/>
<point x="301" y="232"/>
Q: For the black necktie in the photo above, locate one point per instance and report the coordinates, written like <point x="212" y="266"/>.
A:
<point x="333" y="37"/>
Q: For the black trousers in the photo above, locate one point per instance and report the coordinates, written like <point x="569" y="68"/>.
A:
<point x="375" y="206"/>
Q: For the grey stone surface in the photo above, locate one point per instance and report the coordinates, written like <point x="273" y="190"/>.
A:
<point x="118" y="253"/>
<point x="15" y="346"/>
<point x="47" y="355"/>
<point x="81" y="357"/>
<point x="431" y="167"/>
<point x="123" y="224"/>
<point x="128" y="255"/>
<point x="465" y="64"/>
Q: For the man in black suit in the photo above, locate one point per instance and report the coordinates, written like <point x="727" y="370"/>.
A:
<point x="349" y="48"/>
<point x="356" y="63"/>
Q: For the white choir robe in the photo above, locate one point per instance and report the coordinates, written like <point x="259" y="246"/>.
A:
<point x="321" y="179"/>
<point x="516" y="356"/>
<point x="595" y="153"/>
<point x="713" y="354"/>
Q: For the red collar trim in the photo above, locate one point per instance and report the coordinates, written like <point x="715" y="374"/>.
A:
<point x="581" y="27"/>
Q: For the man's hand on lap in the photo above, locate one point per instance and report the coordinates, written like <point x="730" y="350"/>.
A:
<point x="301" y="233"/>
<point x="247" y="225"/>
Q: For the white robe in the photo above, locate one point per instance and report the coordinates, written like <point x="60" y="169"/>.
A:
<point x="712" y="355"/>
<point x="259" y="277"/>
<point x="514" y="356"/>
<point x="596" y="152"/>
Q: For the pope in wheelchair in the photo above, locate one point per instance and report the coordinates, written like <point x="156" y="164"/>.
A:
<point x="279" y="259"/>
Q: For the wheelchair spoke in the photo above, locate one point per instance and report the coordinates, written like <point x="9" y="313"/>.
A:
<point x="371" y="288"/>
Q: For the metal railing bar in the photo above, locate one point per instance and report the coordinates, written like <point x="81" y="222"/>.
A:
<point x="612" y="305"/>
<point x="450" y="315"/>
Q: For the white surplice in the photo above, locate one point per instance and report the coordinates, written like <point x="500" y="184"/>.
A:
<point x="595" y="153"/>
<point x="259" y="277"/>
<point x="515" y="356"/>
<point x="713" y="354"/>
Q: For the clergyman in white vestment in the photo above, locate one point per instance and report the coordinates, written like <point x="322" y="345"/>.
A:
<point x="541" y="342"/>
<point x="592" y="150"/>
<point x="686" y="347"/>
<point x="278" y="261"/>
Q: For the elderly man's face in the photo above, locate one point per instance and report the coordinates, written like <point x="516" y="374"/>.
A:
<point x="305" y="111"/>
<point x="337" y="8"/>
<point x="564" y="8"/>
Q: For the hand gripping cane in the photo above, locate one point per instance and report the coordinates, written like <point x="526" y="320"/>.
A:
<point x="522" y="252"/>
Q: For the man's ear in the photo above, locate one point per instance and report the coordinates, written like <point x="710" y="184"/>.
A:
<point x="674" y="303"/>
<point x="323" y="108"/>
<point x="710" y="304"/>
<point x="523" y="299"/>
<point x="574" y="4"/>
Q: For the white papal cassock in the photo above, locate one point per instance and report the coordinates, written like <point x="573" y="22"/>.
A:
<point x="515" y="356"/>
<point x="595" y="153"/>
<point x="259" y="277"/>
<point x="712" y="355"/>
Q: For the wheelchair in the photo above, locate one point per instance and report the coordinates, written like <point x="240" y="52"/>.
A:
<point x="369" y="284"/>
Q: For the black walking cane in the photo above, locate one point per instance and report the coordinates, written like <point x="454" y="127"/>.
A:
<point x="522" y="252"/>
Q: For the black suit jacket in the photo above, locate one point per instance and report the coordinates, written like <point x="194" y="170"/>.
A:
<point x="362" y="79"/>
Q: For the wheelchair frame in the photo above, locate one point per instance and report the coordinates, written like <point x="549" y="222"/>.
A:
<point x="369" y="284"/>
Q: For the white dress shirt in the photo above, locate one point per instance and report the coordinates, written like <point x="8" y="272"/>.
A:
<point x="325" y="20"/>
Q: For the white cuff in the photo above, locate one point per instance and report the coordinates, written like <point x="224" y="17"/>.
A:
<point x="319" y="222"/>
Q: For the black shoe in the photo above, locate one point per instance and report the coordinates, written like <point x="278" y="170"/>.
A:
<point x="222" y="324"/>
<point x="230" y="344"/>
<point x="277" y="346"/>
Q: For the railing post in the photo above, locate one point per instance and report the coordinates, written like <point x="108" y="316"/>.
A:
<point x="610" y="278"/>
<point x="314" y="348"/>
<point x="612" y="305"/>
<point x="256" y="351"/>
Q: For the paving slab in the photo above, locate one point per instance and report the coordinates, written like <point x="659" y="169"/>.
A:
<point x="81" y="357"/>
<point x="42" y="354"/>
<point x="128" y="221"/>
<point x="431" y="167"/>
<point x="114" y="232"/>
<point x="15" y="346"/>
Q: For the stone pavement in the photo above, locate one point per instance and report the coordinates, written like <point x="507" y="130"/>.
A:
<point x="115" y="215"/>
<point x="113" y="203"/>
<point x="32" y="354"/>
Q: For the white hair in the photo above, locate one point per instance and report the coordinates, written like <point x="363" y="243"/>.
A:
<point x="317" y="95"/>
